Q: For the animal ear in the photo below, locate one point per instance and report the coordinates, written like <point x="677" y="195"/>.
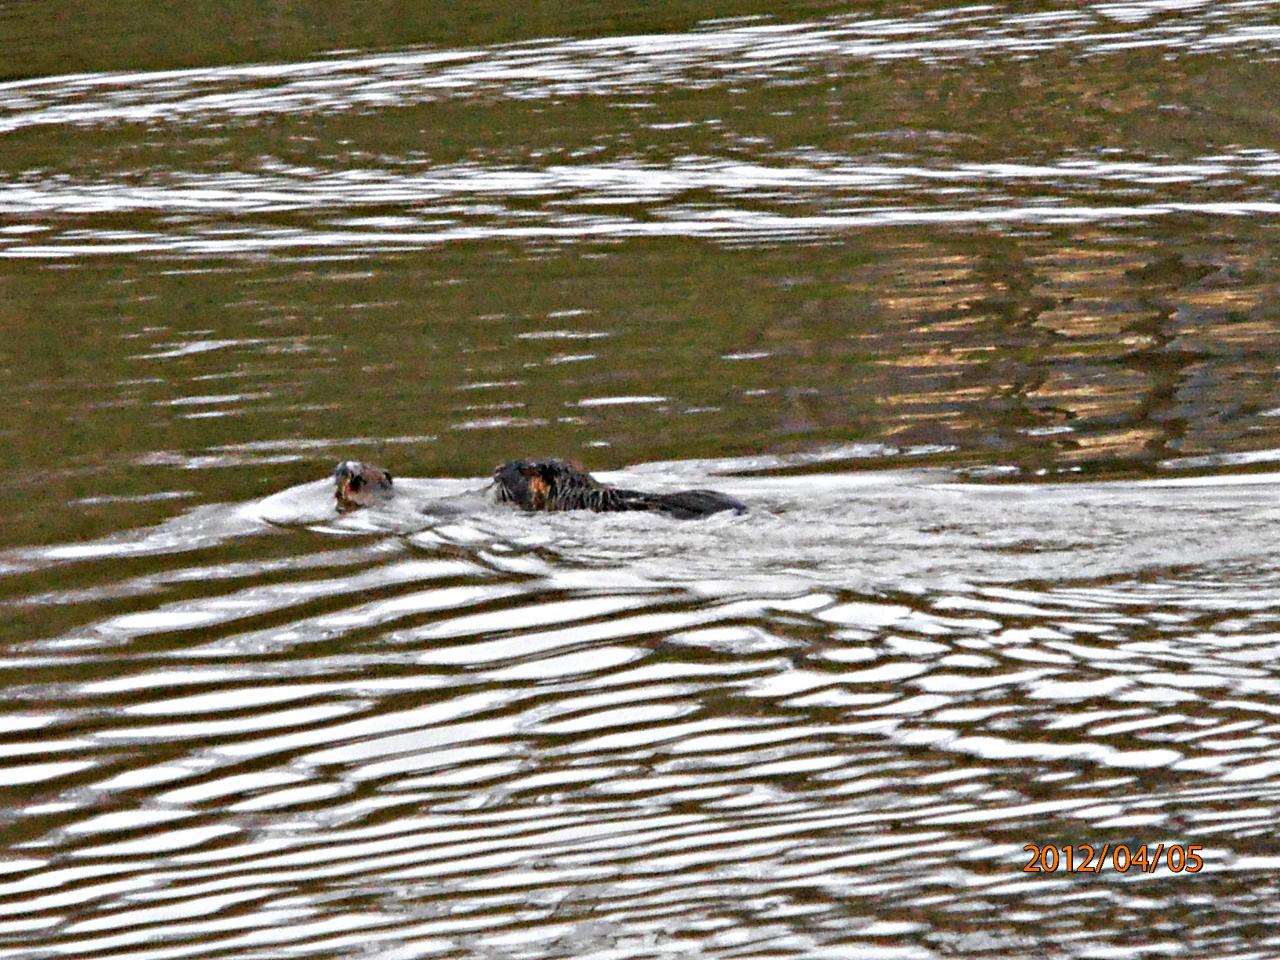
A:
<point x="388" y="476"/>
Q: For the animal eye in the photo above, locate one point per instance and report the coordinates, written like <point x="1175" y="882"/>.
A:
<point x="357" y="482"/>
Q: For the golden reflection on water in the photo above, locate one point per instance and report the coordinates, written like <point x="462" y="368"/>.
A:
<point x="1126" y="371"/>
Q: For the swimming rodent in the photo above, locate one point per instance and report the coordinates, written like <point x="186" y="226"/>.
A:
<point x="555" y="485"/>
<point x="549" y="485"/>
<point x="359" y="484"/>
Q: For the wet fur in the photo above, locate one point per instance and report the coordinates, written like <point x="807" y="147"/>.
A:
<point x="556" y="485"/>
<point x="549" y="485"/>
<point x="359" y="484"/>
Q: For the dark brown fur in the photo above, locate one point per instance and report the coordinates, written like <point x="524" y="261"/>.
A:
<point x="539" y="485"/>
<point x="554" y="485"/>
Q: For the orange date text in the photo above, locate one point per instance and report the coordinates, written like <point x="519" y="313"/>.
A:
<point x="1121" y="858"/>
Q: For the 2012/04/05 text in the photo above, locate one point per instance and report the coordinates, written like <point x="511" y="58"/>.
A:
<point x="1085" y="858"/>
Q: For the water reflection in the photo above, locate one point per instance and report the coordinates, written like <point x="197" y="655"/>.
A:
<point x="1099" y="354"/>
<point x="844" y="267"/>
<point x="684" y="158"/>
<point x="609" y="66"/>
<point x="589" y="722"/>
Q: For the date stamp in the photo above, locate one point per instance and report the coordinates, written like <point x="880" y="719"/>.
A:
<point x="1085" y="858"/>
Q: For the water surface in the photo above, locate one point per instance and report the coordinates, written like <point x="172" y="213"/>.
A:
<point x="975" y="306"/>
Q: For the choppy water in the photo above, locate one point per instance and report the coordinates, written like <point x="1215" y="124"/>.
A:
<point x="975" y="306"/>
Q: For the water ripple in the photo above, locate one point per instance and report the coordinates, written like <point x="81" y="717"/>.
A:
<point x="722" y="54"/>
<point x="828" y="727"/>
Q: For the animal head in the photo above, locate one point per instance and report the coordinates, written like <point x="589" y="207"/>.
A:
<point x="539" y="484"/>
<point x="359" y="484"/>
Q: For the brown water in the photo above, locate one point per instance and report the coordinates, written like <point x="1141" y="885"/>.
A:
<point x="976" y="306"/>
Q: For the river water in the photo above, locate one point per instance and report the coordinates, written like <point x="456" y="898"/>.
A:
<point x="976" y="307"/>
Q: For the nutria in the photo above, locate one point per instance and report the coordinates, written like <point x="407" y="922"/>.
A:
<point x="359" y="484"/>
<point x="540" y="485"/>
<point x="558" y="485"/>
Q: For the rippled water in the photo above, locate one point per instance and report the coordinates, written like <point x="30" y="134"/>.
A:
<point x="974" y="306"/>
